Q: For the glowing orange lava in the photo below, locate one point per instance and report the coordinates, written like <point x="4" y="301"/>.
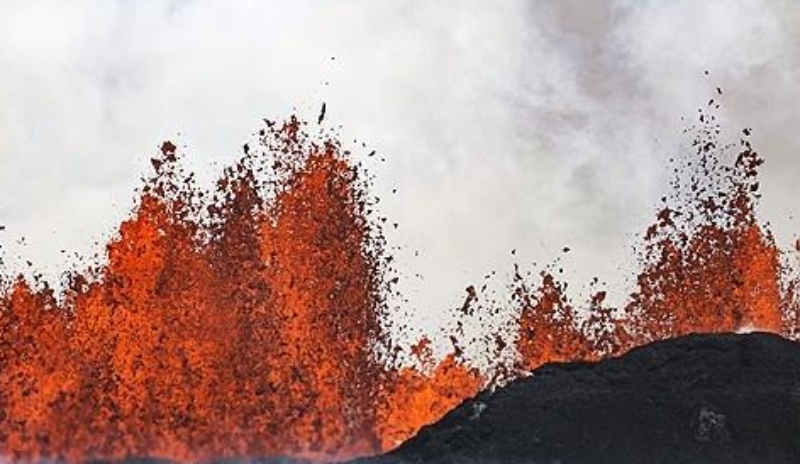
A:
<point x="250" y="321"/>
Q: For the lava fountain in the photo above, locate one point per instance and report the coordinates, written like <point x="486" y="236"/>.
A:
<point x="250" y="320"/>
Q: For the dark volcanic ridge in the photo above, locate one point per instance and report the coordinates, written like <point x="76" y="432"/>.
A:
<point x="698" y="398"/>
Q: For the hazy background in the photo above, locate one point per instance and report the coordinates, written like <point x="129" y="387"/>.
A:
<point x="527" y="125"/>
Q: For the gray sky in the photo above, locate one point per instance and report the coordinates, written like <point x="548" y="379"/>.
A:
<point x="507" y="124"/>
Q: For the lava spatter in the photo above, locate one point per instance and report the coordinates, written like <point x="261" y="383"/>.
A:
<point x="708" y="264"/>
<point x="251" y="320"/>
<point x="233" y="323"/>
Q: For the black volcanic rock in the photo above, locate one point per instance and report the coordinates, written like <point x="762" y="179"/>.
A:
<point x="723" y="398"/>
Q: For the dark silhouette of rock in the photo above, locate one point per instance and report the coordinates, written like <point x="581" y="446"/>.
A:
<point x="724" y="398"/>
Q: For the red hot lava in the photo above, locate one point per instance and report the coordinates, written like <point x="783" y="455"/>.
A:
<point x="250" y="321"/>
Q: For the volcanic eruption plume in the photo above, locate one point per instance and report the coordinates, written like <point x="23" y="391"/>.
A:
<point x="251" y="320"/>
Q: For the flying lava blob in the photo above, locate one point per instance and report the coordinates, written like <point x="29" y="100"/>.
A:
<point x="251" y="319"/>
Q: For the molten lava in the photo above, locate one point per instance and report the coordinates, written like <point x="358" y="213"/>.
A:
<point x="418" y="397"/>
<point x="709" y="265"/>
<point x="230" y="326"/>
<point x="251" y="320"/>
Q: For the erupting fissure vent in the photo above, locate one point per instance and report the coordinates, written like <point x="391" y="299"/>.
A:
<point x="251" y="320"/>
